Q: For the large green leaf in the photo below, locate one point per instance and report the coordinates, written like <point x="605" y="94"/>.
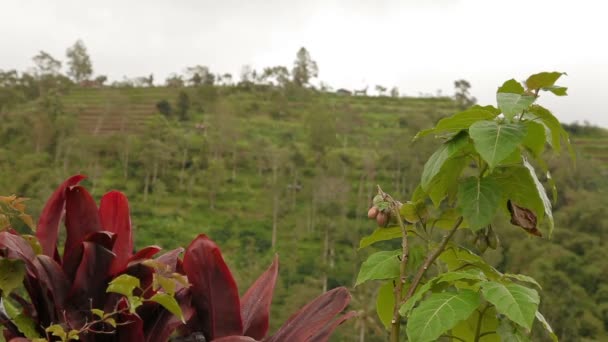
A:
<point x="517" y="302"/>
<point x="439" y="313"/>
<point x="407" y="307"/>
<point x="12" y="272"/>
<point x="433" y="166"/>
<point x="467" y="329"/>
<point x="535" y="137"/>
<point x="459" y="121"/>
<point x="558" y="133"/>
<point x="380" y="265"/>
<point x="26" y="325"/>
<point x="543" y="80"/>
<point x="542" y="193"/>
<point x="496" y="141"/>
<point x="518" y="186"/>
<point x="446" y="182"/>
<point x="478" y="200"/>
<point x="512" y="100"/>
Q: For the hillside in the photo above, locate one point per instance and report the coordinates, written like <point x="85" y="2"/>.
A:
<point x="244" y="162"/>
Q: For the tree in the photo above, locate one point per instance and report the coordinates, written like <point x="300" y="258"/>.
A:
<point x="304" y="68"/>
<point x="470" y="196"/>
<point x="79" y="62"/>
<point x="183" y="106"/>
<point x="461" y="95"/>
<point x="46" y="65"/>
<point x="164" y="107"/>
<point x="395" y="92"/>
<point x="200" y="74"/>
<point x="380" y="89"/>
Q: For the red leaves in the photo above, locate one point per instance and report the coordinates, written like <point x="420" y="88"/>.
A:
<point x="115" y="218"/>
<point x="314" y="321"/>
<point x="524" y="218"/>
<point x="255" y="304"/>
<point x="214" y="292"/>
<point x="48" y="224"/>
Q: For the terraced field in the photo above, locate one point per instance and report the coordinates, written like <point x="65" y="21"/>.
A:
<point x="595" y="147"/>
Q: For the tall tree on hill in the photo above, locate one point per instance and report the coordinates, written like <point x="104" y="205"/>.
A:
<point x="462" y="96"/>
<point x="199" y="75"/>
<point x="79" y="62"/>
<point x="46" y="65"/>
<point x="304" y="68"/>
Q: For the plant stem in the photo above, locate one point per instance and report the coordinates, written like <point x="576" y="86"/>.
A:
<point x="429" y="260"/>
<point x="396" y="322"/>
<point x="479" y="321"/>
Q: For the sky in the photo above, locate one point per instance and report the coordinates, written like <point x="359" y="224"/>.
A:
<point x="419" y="46"/>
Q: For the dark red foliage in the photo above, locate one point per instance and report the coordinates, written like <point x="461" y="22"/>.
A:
<point x="99" y="247"/>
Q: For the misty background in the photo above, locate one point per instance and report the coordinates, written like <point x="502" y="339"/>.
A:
<point x="421" y="47"/>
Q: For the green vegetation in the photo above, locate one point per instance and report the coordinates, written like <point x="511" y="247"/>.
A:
<point x="263" y="166"/>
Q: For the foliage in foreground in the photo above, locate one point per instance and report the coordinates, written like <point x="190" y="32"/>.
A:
<point x="483" y="168"/>
<point x="99" y="290"/>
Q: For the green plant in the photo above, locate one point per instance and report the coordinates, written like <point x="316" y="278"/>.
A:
<point x="483" y="167"/>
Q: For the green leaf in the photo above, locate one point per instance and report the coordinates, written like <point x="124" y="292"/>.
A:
<point x="494" y="141"/>
<point x="518" y="186"/>
<point x="523" y="278"/>
<point x="440" y="313"/>
<point x="458" y="258"/>
<point x="405" y="309"/>
<point x="73" y="335"/>
<point x="380" y="234"/>
<point x="434" y="164"/>
<point x="512" y="100"/>
<point x="134" y="303"/>
<point x="535" y="138"/>
<point x="26" y="325"/>
<point x="511" y="86"/>
<point x="517" y="302"/>
<point x="546" y="325"/>
<point x="557" y="90"/>
<point x="57" y="330"/>
<point x="169" y="303"/>
<point x="97" y="312"/>
<point x="478" y="200"/>
<point x="558" y="133"/>
<point x="542" y="193"/>
<point x="446" y="182"/>
<point x="123" y="284"/>
<point x="448" y="218"/>
<point x="412" y="212"/>
<point x="380" y="265"/>
<point x="419" y="194"/>
<point x="12" y="272"/>
<point x="385" y="302"/>
<point x="467" y="330"/>
<point x="469" y="274"/>
<point x="543" y="80"/>
<point x="511" y="333"/>
<point x="458" y="122"/>
<point x="166" y="283"/>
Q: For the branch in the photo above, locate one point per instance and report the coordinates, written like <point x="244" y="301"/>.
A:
<point x="396" y="321"/>
<point x="429" y="260"/>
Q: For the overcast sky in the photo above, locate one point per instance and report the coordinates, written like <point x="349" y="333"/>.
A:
<point x="420" y="46"/>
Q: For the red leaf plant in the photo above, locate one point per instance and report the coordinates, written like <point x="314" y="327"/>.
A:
<point x="99" y="247"/>
<point x="63" y="289"/>
<point x="220" y="315"/>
